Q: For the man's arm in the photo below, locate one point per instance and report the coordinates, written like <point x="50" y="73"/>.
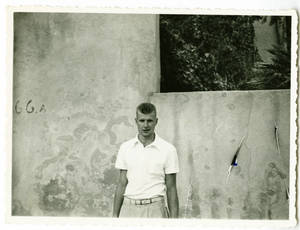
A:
<point x="172" y="195"/>
<point x="118" y="199"/>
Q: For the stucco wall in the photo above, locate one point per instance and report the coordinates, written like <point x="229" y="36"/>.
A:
<point x="77" y="80"/>
<point x="207" y="128"/>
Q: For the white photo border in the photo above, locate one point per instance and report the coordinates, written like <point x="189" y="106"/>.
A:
<point x="292" y="221"/>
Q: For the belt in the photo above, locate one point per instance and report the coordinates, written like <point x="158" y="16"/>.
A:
<point x="143" y="201"/>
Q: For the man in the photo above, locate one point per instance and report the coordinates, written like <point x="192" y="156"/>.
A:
<point x="148" y="166"/>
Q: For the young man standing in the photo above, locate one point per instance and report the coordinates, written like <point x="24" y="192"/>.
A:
<point x="148" y="166"/>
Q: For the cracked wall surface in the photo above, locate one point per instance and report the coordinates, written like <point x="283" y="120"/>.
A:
<point x="77" y="81"/>
<point x="207" y="128"/>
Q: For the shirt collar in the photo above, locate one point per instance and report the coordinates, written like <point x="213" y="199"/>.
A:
<point x="155" y="143"/>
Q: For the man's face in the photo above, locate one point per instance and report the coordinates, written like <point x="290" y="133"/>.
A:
<point x="146" y="123"/>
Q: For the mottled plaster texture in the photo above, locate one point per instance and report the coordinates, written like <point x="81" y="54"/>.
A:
<point x="207" y="128"/>
<point x="77" y="81"/>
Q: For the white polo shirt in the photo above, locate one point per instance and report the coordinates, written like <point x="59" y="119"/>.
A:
<point x="146" y="166"/>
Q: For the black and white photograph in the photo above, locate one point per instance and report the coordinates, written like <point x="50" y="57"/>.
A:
<point x="185" y="115"/>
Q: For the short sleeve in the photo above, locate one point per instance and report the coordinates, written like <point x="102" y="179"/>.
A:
<point x="120" y="162"/>
<point x="171" y="165"/>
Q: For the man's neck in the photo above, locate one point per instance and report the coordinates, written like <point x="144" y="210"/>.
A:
<point x="146" y="140"/>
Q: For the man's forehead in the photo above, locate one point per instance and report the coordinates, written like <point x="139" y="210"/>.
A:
<point x="146" y="116"/>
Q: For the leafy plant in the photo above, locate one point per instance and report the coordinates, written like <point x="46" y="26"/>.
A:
<point x="205" y="52"/>
<point x="275" y="75"/>
<point x="201" y="52"/>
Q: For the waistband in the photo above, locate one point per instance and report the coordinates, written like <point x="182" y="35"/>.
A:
<point x="143" y="201"/>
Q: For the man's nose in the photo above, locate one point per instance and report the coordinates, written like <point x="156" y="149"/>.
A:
<point x="146" y="124"/>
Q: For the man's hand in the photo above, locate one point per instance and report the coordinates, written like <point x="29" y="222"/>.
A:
<point x="172" y="197"/>
<point x="119" y="194"/>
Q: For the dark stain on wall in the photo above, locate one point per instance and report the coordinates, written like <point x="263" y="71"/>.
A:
<point x="275" y="190"/>
<point x="214" y="194"/>
<point x="231" y="106"/>
<point x="192" y="208"/>
<point x="273" y="171"/>
<point x="196" y="212"/>
<point x="56" y="197"/>
<point x="81" y="130"/>
<point x="111" y="176"/>
<point x="214" y="210"/>
<point x="18" y="209"/>
<point x="230" y="201"/>
<point x="263" y="204"/>
<point x="95" y="205"/>
<point x="229" y="207"/>
<point x="97" y="162"/>
<point x="190" y="159"/>
<point x="70" y="167"/>
<point x="15" y="176"/>
<point x="207" y="167"/>
<point x="249" y="211"/>
<point x="113" y="159"/>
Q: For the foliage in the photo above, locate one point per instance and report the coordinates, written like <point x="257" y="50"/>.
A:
<point x="202" y="52"/>
<point x="275" y="75"/>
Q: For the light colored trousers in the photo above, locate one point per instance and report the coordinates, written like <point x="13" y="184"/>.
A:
<point x="153" y="210"/>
